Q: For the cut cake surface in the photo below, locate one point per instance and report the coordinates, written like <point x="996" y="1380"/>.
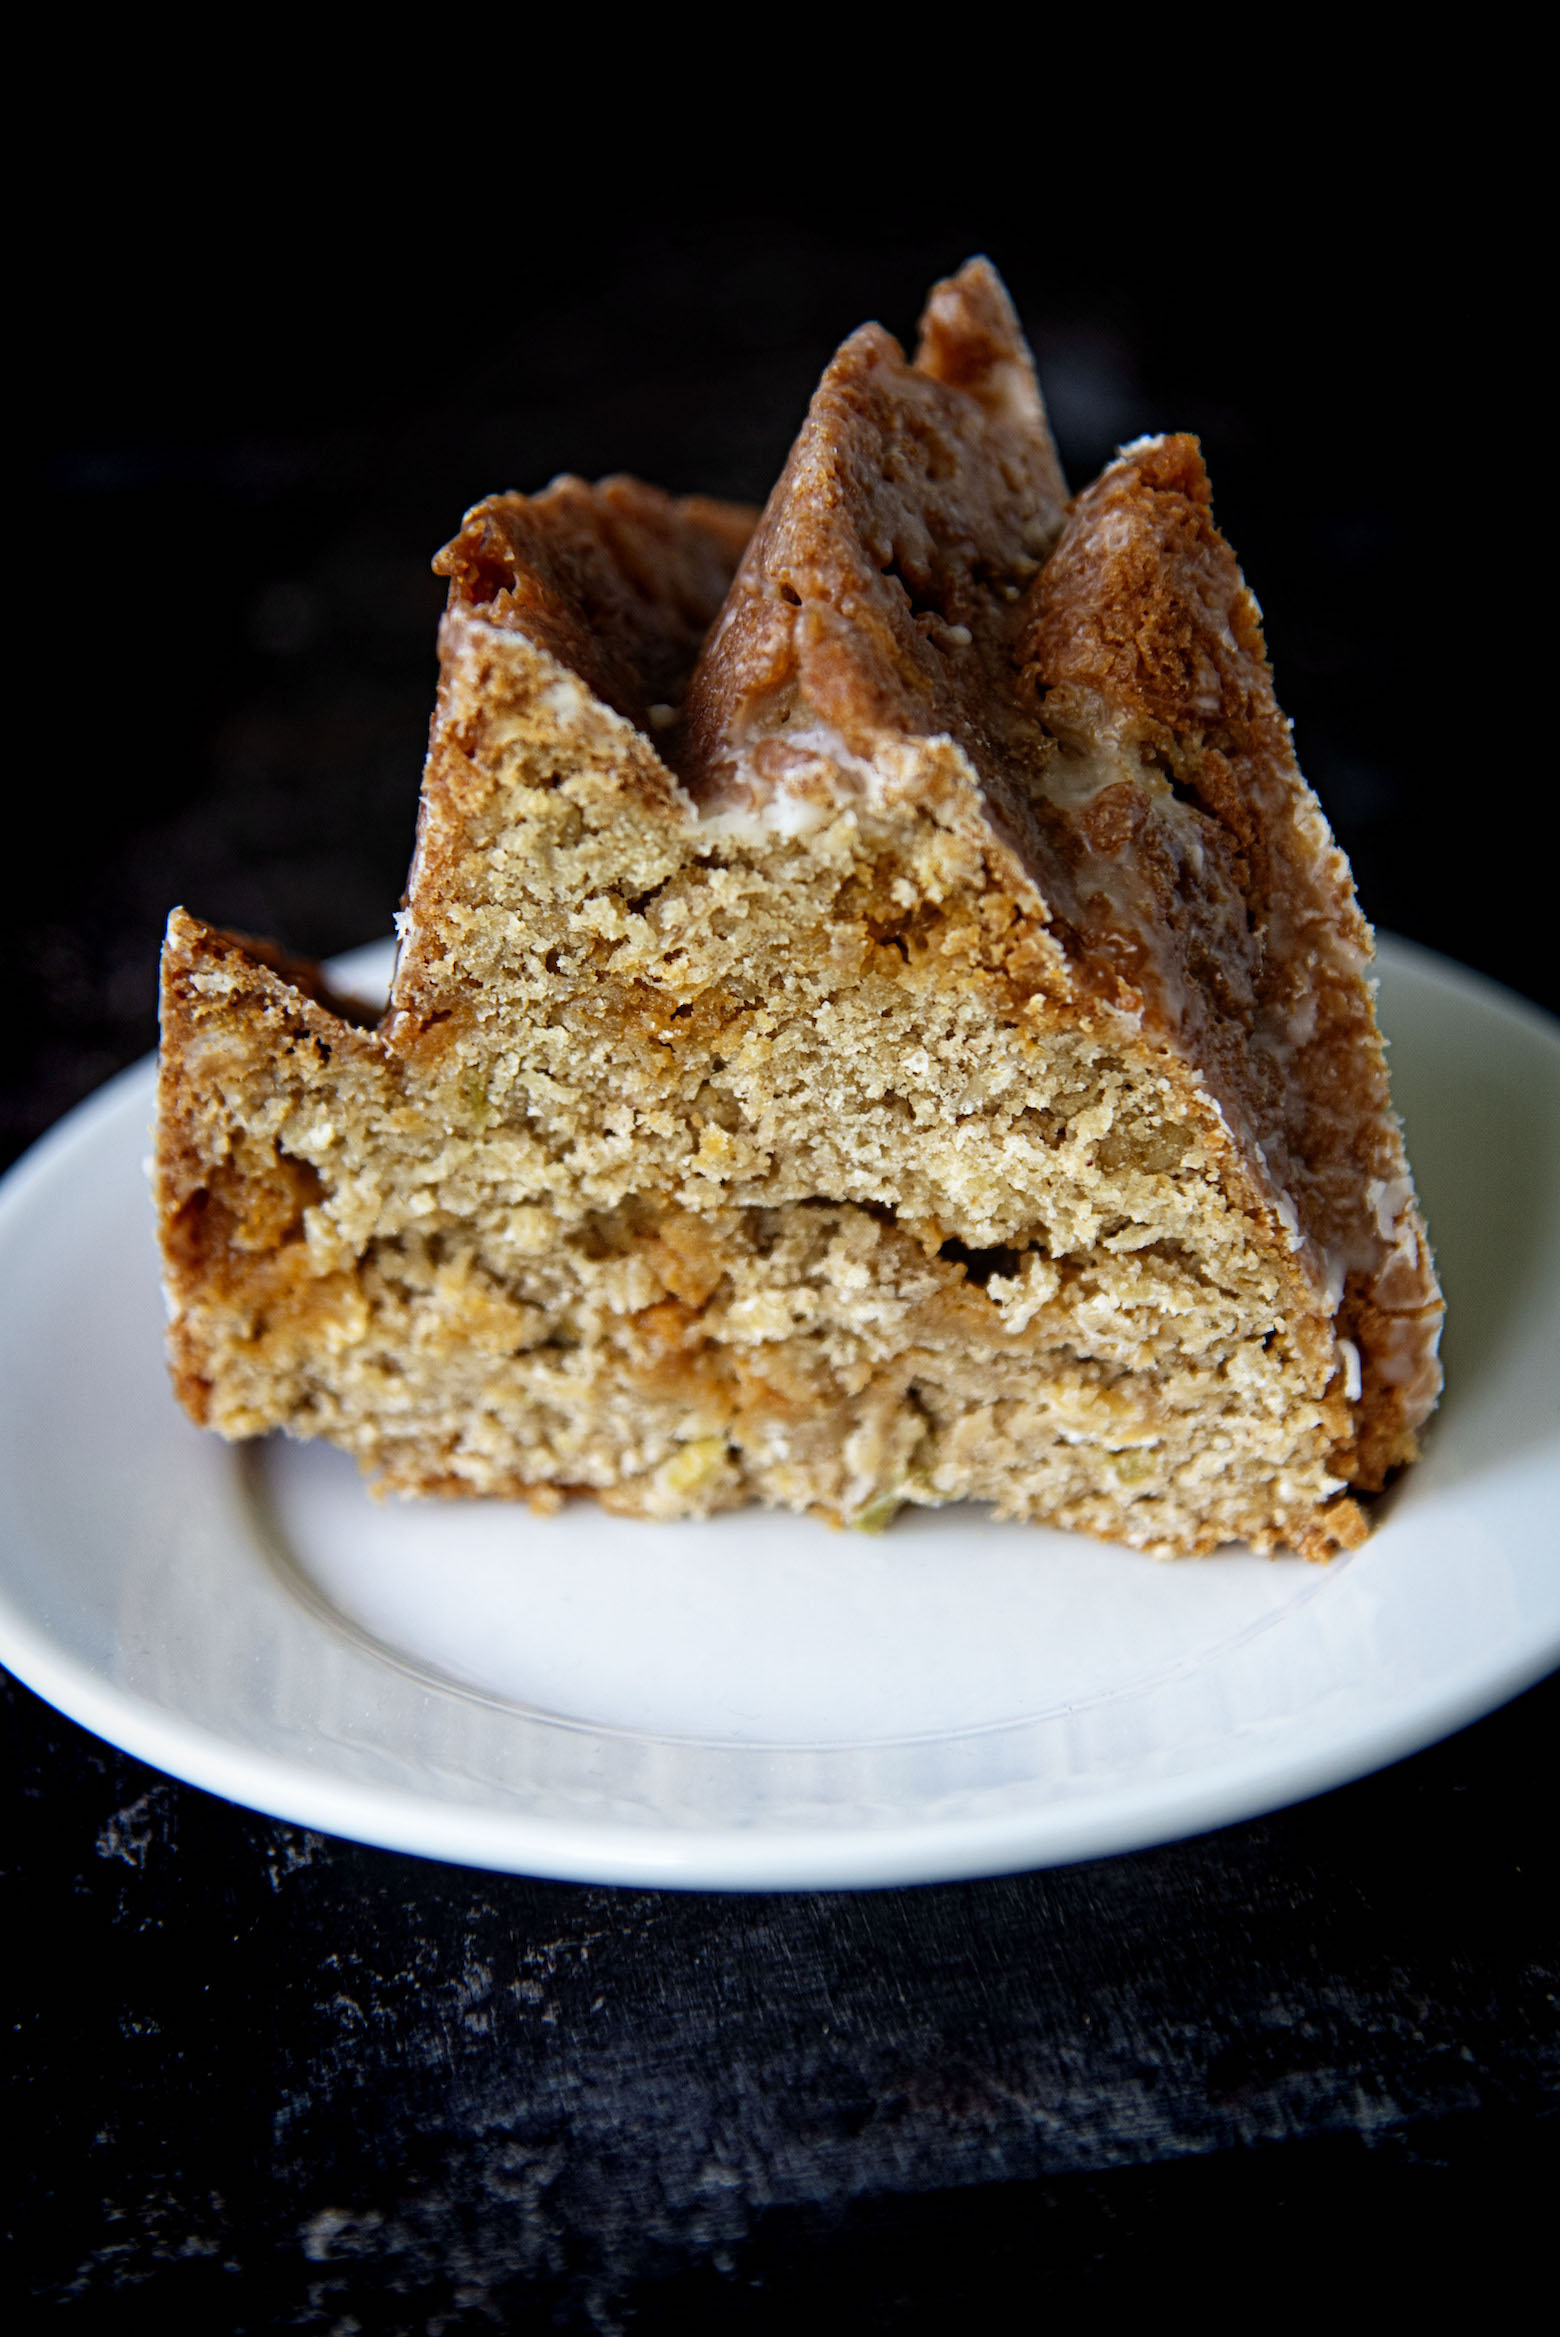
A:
<point x="879" y="1018"/>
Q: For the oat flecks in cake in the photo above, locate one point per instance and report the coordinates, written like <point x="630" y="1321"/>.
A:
<point x="880" y="1018"/>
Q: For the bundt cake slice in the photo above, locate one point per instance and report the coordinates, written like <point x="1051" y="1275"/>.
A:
<point x="896" y="1029"/>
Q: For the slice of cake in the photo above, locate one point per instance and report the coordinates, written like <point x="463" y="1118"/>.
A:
<point x="879" y="1018"/>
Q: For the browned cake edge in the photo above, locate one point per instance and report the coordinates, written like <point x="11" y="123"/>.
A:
<point x="567" y="580"/>
<point x="224" y="1219"/>
<point x="1142" y="620"/>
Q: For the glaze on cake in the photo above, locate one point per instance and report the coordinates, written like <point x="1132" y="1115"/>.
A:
<point x="880" y="1018"/>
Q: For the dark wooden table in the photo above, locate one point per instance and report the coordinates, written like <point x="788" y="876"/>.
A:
<point x="274" y="2081"/>
<point x="269" y="2081"/>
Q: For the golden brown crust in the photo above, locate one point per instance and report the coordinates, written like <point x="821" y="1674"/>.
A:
<point x="1143" y="600"/>
<point x="618" y="581"/>
<point x="882" y="580"/>
<point x="1142" y="623"/>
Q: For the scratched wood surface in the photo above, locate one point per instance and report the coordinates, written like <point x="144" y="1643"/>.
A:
<point x="272" y="2080"/>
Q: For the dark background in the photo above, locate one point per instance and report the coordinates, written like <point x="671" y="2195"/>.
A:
<point x="247" y="454"/>
<point x="276" y="2082"/>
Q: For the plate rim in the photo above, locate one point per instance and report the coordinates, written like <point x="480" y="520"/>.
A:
<point x="728" y="1857"/>
<point x="722" y="1856"/>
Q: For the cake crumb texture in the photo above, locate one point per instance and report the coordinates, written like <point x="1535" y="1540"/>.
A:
<point x="880" y="1019"/>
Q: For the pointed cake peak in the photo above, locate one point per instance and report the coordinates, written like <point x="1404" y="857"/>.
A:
<point x="1169" y="461"/>
<point x="971" y="339"/>
<point x="878" y="597"/>
<point x="616" y="580"/>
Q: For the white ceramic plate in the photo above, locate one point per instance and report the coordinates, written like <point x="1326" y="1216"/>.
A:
<point x="755" y="1702"/>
